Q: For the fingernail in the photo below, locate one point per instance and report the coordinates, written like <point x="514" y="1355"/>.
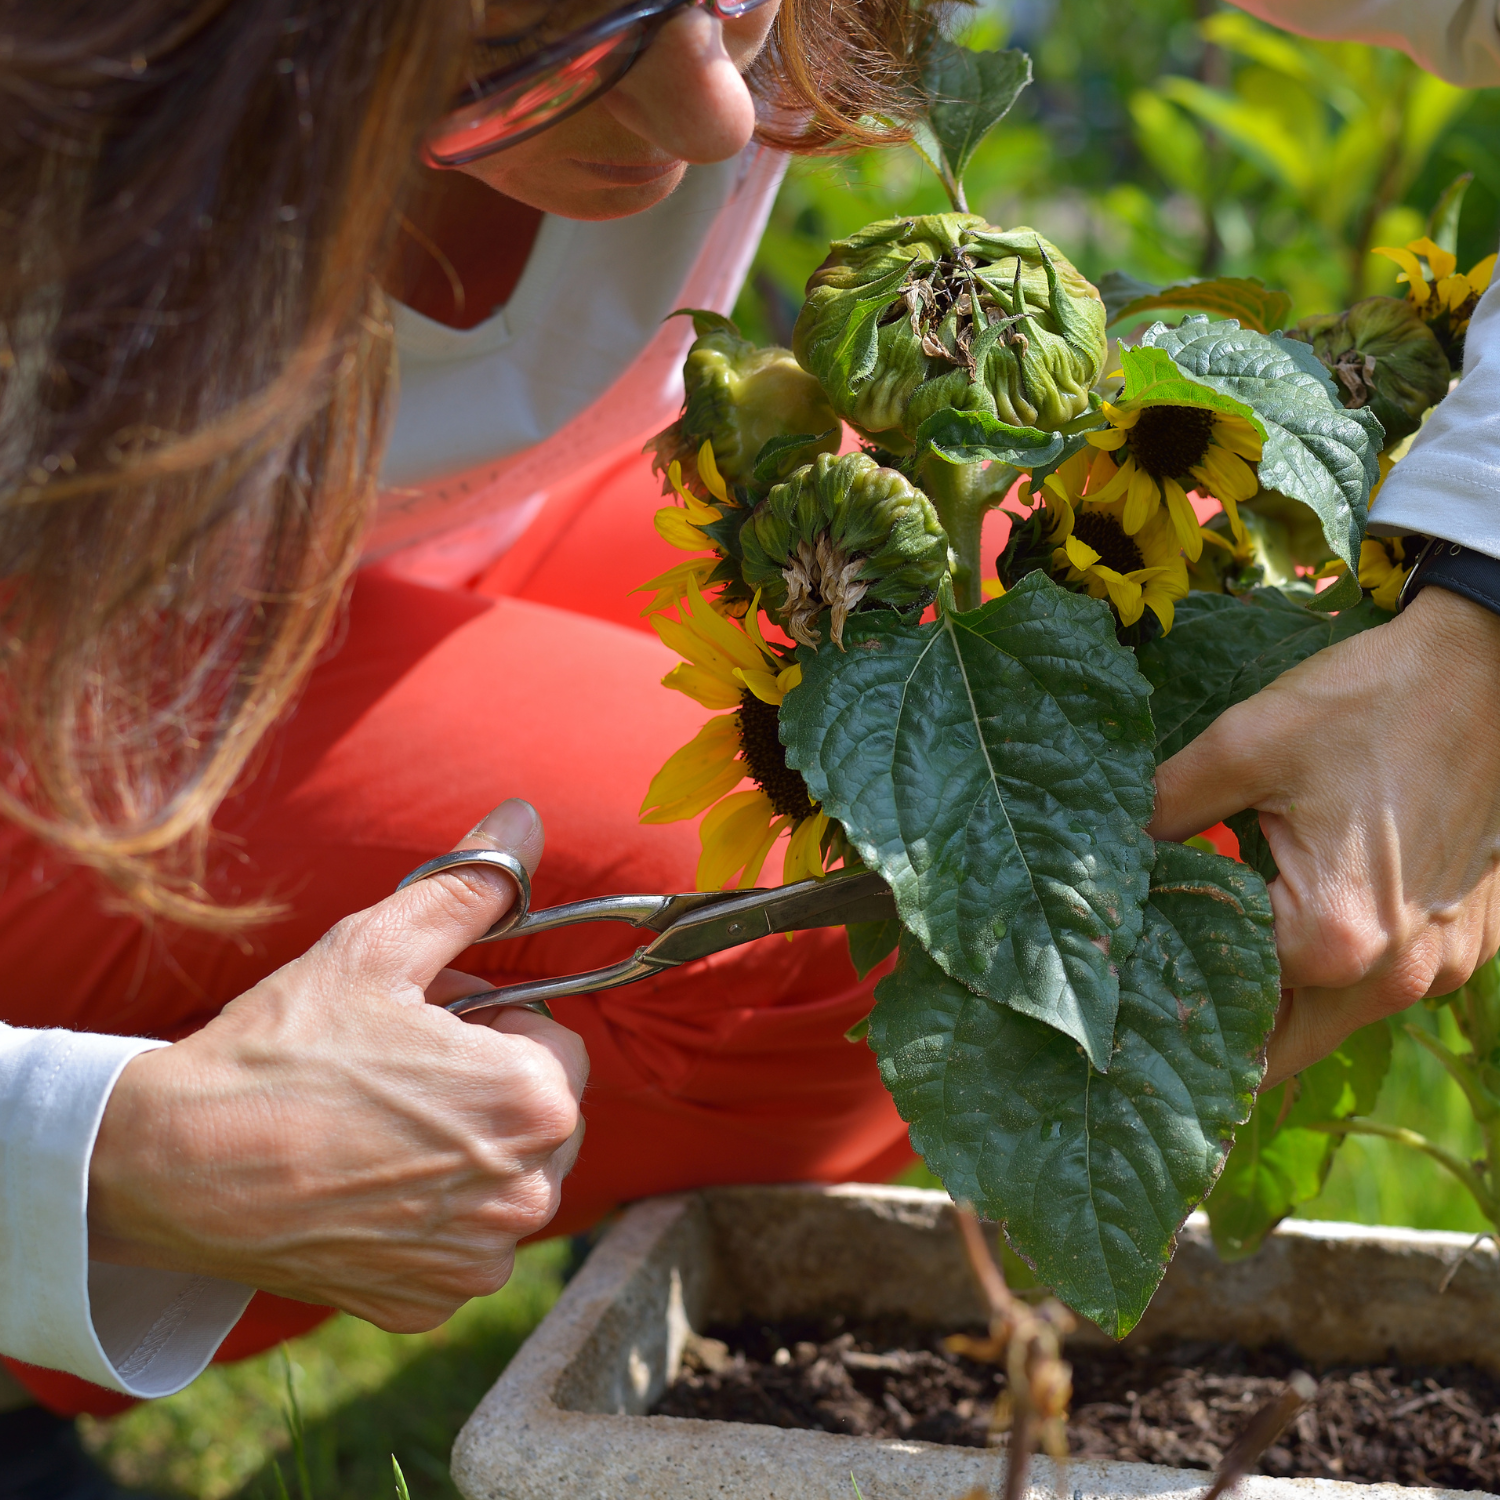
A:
<point x="511" y="824"/>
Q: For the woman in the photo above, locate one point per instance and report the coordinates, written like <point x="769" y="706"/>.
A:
<point x="201" y="195"/>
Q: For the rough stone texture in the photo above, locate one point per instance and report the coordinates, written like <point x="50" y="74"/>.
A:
<point x="565" y="1418"/>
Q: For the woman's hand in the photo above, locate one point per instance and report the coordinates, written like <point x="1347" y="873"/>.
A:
<point x="1375" y="766"/>
<point x="333" y="1137"/>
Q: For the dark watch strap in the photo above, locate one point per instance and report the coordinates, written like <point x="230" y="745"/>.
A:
<point x="1459" y="569"/>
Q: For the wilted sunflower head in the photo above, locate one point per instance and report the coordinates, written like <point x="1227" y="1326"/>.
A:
<point x="910" y="316"/>
<point x="739" y="397"/>
<point x="839" y="533"/>
<point x="1382" y="355"/>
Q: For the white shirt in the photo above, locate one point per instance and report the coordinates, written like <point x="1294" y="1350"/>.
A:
<point x="487" y="419"/>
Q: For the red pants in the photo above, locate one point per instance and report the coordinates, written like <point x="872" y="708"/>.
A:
<point x="537" y="681"/>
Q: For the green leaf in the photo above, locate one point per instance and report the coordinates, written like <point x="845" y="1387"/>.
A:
<point x="704" y="321"/>
<point x="780" y="457"/>
<point x="1244" y="298"/>
<point x="1254" y="849"/>
<point x="1092" y="1174"/>
<point x="1344" y="594"/>
<point x="871" y="943"/>
<point x="1222" y="649"/>
<point x="1315" y="450"/>
<point x="1442" y="225"/>
<point x="972" y="437"/>
<point x="1279" y="1159"/>
<point x="1152" y="379"/>
<point x="995" y="767"/>
<point x="968" y="94"/>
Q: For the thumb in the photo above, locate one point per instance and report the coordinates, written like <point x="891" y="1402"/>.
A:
<point x="419" y="931"/>
<point x="1205" y="782"/>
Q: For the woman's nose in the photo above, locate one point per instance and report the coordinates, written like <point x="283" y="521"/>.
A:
<point x="685" y="96"/>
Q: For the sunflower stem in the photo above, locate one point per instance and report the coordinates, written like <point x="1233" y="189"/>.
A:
<point x="962" y="495"/>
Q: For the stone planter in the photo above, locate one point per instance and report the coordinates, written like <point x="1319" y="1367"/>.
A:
<point x="566" y="1418"/>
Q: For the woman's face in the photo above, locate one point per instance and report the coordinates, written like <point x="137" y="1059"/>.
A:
<point x="685" y="101"/>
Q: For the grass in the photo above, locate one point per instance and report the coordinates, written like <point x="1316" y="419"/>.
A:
<point x="363" y="1396"/>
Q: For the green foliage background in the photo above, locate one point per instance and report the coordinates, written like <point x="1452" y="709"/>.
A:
<point x="1170" y="139"/>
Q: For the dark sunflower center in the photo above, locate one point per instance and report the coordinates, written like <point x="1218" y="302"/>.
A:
<point x="765" y="756"/>
<point x="1167" y="441"/>
<point x="1107" y="537"/>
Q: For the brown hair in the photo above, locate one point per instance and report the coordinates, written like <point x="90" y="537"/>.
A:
<point x="839" y="74"/>
<point x="193" y="391"/>
<point x="194" y="369"/>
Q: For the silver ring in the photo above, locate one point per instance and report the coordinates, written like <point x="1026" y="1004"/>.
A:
<point x="496" y="859"/>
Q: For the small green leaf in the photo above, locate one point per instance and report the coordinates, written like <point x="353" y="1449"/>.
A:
<point x="1246" y="299"/>
<point x="1093" y="1174"/>
<point x="1315" y="450"/>
<point x="871" y="943"/>
<point x="968" y="94"/>
<point x="995" y="767"/>
<point x="780" y="457"/>
<point x="1344" y="594"/>
<point x="971" y="437"/>
<point x="1279" y="1159"/>
<point x="1151" y="379"/>
<point x="705" y="321"/>
<point x="1222" y="649"/>
<point x="1442" y="226"/>
<point x="1254" y="849"/>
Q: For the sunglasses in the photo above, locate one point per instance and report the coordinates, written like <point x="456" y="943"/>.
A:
<point x="505" y="105"/>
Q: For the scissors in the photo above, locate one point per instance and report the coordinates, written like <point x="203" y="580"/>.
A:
<point x="688" y="926"/>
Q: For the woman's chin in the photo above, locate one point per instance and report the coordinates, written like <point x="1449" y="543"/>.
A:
<point x="588" y="196"/>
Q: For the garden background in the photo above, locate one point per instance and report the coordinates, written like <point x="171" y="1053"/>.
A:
<point x="1165" y="138"/>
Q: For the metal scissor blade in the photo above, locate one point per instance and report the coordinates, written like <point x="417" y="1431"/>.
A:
<point x="656" y="912"/>
<point x="696" y="925"/>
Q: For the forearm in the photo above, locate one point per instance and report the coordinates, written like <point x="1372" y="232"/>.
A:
<point x="1458" y="40"/>
<point x="143" y="1332"/>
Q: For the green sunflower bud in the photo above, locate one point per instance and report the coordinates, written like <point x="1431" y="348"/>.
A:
<point x="1382" y="355"/>
<point x="913" y="315"/>
<point x="839" y="533"/>
<point x="740" y="397"/>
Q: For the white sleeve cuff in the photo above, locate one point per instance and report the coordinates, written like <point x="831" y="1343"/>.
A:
<point x="143" y="1332"/>
<point x="1448" y="485"/>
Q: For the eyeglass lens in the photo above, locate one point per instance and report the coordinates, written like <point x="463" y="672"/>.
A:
<point x="510" y="114"/>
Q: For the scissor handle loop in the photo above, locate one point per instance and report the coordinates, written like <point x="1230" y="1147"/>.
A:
<point x="497" y="859"/>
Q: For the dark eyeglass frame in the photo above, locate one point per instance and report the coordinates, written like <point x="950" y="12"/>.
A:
<point x="649" y="15"/>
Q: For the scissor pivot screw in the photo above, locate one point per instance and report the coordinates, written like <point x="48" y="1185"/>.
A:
<point x="735" y="929"/>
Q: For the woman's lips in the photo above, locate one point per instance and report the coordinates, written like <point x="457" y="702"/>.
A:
<point x="628" y="174"/>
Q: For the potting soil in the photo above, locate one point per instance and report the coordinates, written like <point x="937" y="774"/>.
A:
<point x="1179" y="1404"/>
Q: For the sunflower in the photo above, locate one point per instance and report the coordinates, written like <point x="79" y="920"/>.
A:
<point x="728" y="667"/>
<point x="1451" y="294"/>
<point x="1382" y="569"/>
<point x="1135" y="571"/>
<point x="681" y="526"/>
<point x="1166" y="450"/>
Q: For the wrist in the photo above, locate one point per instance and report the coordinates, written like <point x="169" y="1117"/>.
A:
<point x="1455" y="632"/>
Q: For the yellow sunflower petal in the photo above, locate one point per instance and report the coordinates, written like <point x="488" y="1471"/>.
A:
<point x="703" y="686"/>
<point x="1122" y="417"/>
<point x="790" y="678"/>
<point x="804" y="855"/>
<point x="1080" y="554"/>
<point x="708" y="472"/>
<point x="763" y="684"/>
<point x="1389" y="592"/>
<point x="757" y="859"/>
<point x="730" y="834"/>
<point x="698" y="512"/>
<point x="1481" y="274"/>
<point x="1453" y="291"/>
<point x="1159" y="602"/>
<point x="1236" y="525"/>
<point x="1141" y="501"/>
<point x="1117" y="484"/>
<point x="1059" y="507"/>
<point x="1124" y="594"/>
<point x="690" y="644"/>
<point x="1375" y="566"/>
<point x="1443" y="262"/>
<point x="676" y="530"/>
<point x="1411" y="268"/>
<point x="1226" y="476"/>
<point x="672" y="585"/>
<point x="1237" y="435"/>
<point x="723" y="635"/>
<point x="1110" y="439"/>
<point x="1184" y="520"/>
<point x="696" y="776"/>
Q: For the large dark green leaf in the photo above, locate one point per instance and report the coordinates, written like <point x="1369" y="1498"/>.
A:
<point x="971" y="437"/>
<point x="995" y="767"/>
<point x="1092" y="1174"/>
<point x="1315" y="450"/>
<point x="1221" y="649"/>
<point x="1280" y="1159"/>
<point x="968" y="94"/>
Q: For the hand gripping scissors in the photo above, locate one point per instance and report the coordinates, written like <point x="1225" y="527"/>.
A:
<point x="689" y="926"/>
